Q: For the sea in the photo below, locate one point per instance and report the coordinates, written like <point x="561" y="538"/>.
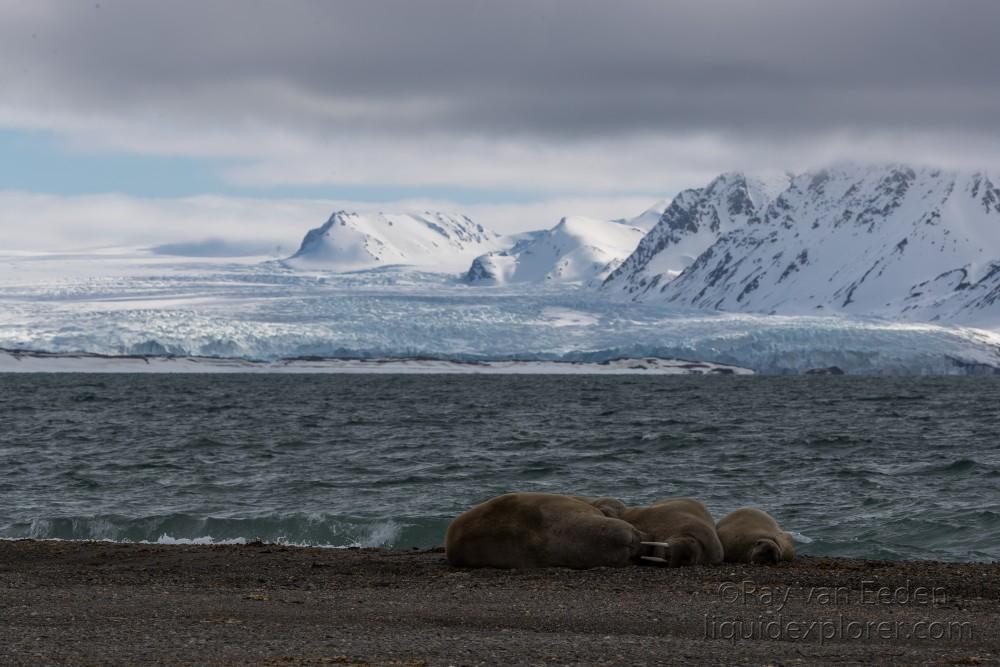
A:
<point x="882" y="468"/>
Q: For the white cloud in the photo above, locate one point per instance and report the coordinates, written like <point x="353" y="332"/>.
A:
<point x="41" y="222"/>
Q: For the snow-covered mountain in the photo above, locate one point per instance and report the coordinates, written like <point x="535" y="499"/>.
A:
<point x="648" y="218"/>
<point x="577" y="250"/>
<point x="351" y="241"/>
<point x="693" y="221"/>
<point x="892" y="241"/>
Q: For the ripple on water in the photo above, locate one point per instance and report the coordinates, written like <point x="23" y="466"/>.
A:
<point x="957" y="467"/>
<point x="872" y="467"/>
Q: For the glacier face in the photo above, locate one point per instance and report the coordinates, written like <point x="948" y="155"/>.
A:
<point x="76" y="362"/>
<point x="577" y="250"/>
<point x="267" y="311"/>
<point x="896" y="242"/>
<point x="351" y="241"/>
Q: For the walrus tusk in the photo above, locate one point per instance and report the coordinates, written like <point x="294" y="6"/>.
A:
<point x="656" y="559"/>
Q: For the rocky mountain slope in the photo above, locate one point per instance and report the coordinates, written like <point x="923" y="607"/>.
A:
<point x="693" y="221"/>
<point x="892" y="241"/>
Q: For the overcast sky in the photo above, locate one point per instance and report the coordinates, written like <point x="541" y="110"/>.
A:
<point x="514" y="109"/>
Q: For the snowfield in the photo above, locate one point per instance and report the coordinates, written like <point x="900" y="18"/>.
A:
<point x="135" y="303"/>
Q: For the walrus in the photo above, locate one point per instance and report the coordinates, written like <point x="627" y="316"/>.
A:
<point x="750" y="535"/>
<point x="607" y="505"/>
<point x="684" y="526"/>
<point x="524" y="530"/>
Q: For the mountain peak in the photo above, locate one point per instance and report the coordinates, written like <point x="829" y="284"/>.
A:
<point x="351" y="241"/>
<point x="693" y="221"/>
<point x="648" y="218"/>
<point x="576" y="250"/>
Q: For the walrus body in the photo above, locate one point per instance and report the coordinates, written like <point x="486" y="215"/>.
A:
<point x="684" y="525"/>
<point x="750" y="535"/>
<point x="523" y="530"/>
<point x="608" y="506"/>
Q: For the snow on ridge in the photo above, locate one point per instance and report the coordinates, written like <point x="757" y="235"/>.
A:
<point x="648" y="218"/>
<point x="577" y="250"/>
<point x="351" y="241"/>
<point x="693" y="221"/>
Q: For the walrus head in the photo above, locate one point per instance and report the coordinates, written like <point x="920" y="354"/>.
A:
<point x="685" y="551"/>
<point x="677" y="552"/>
<point x="610" y="507"/>
<point x="765" y="552"/>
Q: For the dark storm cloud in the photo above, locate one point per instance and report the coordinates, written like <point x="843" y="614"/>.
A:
<point x="543" y="69"/>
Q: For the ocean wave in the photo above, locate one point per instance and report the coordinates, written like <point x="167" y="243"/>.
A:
<point x="205" y="539"/>
<point x="294" y="529"/>
<point x="956" y="466"/>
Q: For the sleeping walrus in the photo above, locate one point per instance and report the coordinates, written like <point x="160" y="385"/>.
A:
<point x="750" y="535"/>
<point x="684" y="526"/>
<point x="609" y="506"/>
<point x="521" y="530"/>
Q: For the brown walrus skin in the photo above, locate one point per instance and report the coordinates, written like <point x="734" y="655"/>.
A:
<point x="750" y="535"/>
<point x="609" y="506"/>
<point x="524" y="530"/>
<point x="685" y="525"/>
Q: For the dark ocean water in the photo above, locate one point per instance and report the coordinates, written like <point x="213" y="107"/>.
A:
<point x="868" y="467"/>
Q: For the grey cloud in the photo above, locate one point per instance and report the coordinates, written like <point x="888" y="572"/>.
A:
<point x="541" y="68"/>
<point x="325" y="91"/>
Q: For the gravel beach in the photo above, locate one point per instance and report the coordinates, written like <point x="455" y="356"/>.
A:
<point x="95" y="603"/>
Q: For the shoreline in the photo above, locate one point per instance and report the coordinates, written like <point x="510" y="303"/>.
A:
<point x="81" y="602"/>
<point x="33" y="361"/>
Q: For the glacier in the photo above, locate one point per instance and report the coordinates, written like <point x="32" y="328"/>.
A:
<point x="132" y="302"/>
<point x="874" y="270"/>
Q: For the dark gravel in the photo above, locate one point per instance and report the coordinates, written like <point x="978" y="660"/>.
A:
<point x="92" y="603"/>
